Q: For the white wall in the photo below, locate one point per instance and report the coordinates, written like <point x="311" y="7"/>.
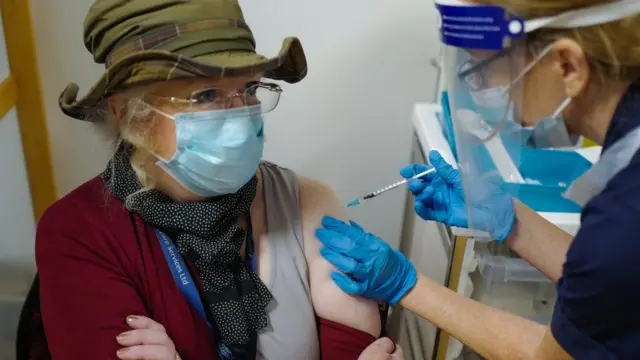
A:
<point x="348" y="123"/>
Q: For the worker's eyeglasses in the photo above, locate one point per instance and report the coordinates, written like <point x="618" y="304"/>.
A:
<point x="474" y="73"/>
<point x="266" y="95"/>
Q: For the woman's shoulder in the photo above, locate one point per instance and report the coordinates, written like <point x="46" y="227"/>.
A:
<point x="90" y="200"/>
<point x="609" y="227"/>
<point x="313" y="195"/>
<point x="278" y="176"/>
<point x="82" y="217"/>
<point x="306" y="184"/>
<point x="598" y="293"/>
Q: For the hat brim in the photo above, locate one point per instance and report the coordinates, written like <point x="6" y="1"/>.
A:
<point x="151" y="66"/>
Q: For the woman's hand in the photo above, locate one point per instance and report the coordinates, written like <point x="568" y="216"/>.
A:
<point x="147" y="341"/>
<point x="382" y="349"/>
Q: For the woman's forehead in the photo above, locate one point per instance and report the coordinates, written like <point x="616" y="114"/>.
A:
<point x="185" y="87"/>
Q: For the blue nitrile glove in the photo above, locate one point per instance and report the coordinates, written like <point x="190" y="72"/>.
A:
<point x="439" y="197"/>
<point x="369" y="266"/>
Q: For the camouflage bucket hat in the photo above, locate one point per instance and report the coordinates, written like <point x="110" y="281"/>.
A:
<point x="147" y="41"/>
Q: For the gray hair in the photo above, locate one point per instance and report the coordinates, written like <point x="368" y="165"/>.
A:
<point x="134" y="126"/>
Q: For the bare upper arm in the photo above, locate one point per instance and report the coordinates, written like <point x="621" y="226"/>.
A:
<point x="329" y="302"/>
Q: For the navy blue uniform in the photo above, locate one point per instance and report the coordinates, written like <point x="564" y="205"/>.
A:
<point x="597" y="314"/>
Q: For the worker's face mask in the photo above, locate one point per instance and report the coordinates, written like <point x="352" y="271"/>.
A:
<point x="548" y="132"/>
<point x="217" y="151"/>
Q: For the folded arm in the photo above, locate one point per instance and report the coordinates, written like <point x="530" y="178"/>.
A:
<point x="85" y="296"/>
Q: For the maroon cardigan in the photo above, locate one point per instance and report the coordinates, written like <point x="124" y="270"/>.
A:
<point x="99" y="263"/>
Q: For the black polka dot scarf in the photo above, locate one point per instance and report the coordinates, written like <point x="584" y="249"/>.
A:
<point x="208" y="233"/>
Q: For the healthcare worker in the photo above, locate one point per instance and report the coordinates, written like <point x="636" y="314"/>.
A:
<point x="537" y="73"/>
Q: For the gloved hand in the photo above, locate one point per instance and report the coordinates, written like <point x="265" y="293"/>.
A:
<point x="369" y="266"/>
<point x="439" y="197"/>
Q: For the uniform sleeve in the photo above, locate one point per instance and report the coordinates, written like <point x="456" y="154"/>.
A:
<point x="596" y="315"/>
<point x="85" y="293"/>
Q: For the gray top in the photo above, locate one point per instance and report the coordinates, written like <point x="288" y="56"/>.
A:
<point x="292" y="332"/>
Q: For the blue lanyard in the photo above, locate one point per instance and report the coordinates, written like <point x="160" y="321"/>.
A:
<point x="181" y="274"/>
<point x="188" y="287"/>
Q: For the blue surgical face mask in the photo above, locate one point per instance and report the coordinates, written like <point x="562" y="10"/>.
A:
<point x="548" y="132"/>
<point x="551" y="131"/>
<point x="218" y="151"/>
<point x="491" y="103"/>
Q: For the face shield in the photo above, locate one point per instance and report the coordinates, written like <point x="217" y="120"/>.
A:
<point x="485" y="60"/>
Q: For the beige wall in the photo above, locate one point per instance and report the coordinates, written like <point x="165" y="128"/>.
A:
<point x="78" y="151"/>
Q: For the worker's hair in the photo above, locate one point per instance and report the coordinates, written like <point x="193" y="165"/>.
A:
<point x="135" y="126"/>
<point x="613" y="49"/>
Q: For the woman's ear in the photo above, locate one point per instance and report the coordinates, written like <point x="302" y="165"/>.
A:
<point x="570" y="62"/>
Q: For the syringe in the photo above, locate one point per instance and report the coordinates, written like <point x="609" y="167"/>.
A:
<point x="373" y="194"/>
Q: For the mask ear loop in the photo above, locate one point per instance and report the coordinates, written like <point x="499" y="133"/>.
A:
<point x="153" y="108"/>
<point x="520" y="76"/>
<point x="562" y="106"/>
<point x="168" y="116"/>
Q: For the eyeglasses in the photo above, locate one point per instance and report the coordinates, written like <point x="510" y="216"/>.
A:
<point x="266" y="95"/>
<point x="473" y="73"/>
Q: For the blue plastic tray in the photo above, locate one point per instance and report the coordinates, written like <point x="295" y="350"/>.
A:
<point x="548" y="173"/>
<point x="542" y="198"/>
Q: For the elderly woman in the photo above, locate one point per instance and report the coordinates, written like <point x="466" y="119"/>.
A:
<point x="187" y="245"/>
